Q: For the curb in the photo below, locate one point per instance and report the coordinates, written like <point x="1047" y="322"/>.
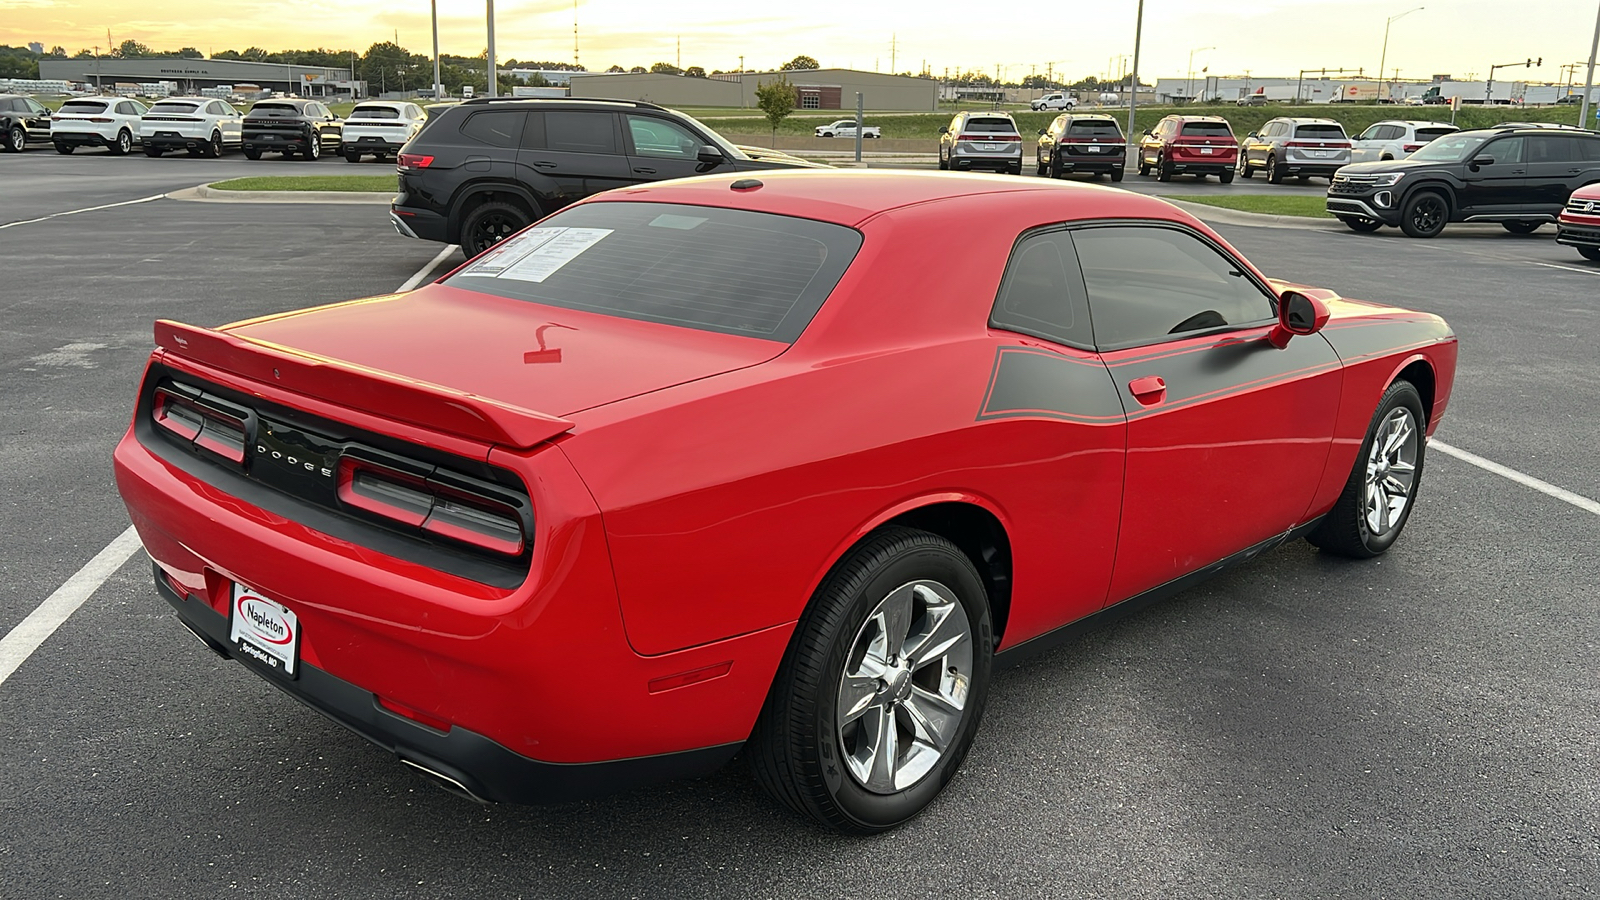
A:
<point x="1225" y="216"/>
<point x="208" y="194"/>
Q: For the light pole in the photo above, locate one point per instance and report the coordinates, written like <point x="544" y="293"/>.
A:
<point x="1384" y="59"/>
<point x="1588" y="81"/>
<point x="1133" y="82"/>
<point x="1188" y="88"/>
<point x="494" y="77"/>
<point x="438" y="86"/>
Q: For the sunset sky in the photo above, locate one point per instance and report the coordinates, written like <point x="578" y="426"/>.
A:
<point x="1267" y="37"/>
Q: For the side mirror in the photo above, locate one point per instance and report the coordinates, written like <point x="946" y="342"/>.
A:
<point x="1482" y="161"/>
<point x="944" y="129"/>
<point x="709" y="155"/>
<point x="1148" y="134"/>
<point x="1298" y="315"/>
<point x="1041" y="131"/>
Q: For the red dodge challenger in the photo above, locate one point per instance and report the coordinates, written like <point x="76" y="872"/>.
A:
<point x="784" y="464"/>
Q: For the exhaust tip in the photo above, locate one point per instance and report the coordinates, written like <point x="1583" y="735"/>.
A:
<point x="443" y="781"/>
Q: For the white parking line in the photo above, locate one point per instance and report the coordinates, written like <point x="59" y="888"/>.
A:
<point x="1543" y="487"/>
<point x="73" y="212"/>
<point x="21" y="641"/>
<point x="1569" y="268"/>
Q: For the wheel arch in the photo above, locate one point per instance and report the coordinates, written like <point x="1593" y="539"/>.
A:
<point x="1418" y="370"/>
<point x="1441" y="188"/>
<point x="489" y="191"/>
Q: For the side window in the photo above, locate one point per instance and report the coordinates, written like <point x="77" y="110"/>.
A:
<point x="1505" y="150"/>
<point x="495" y="127"/>
<point x="1588" y="149"/>
<point x="1371" y="134"/>
<point x="578" y="131"/>
<point x="1551" y="149"/>
<point x="660" y="138"/>
<point x="1042" y="292"/>
<point x="1147" y="284"/>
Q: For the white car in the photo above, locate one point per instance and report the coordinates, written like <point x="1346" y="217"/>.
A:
<point x="111" y="122"/>
<point x="847" y="128"/>
<point x="380" y="127"/>
<point x="1396" y="139"/>
<point x="200" y="125"/>
<point x="1054" y="101"/>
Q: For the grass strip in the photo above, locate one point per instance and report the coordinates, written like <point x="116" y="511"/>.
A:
<point x="341" y="183"/>
<point x="1265" y="204"/>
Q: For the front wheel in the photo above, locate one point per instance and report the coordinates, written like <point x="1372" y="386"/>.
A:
<point x="880" y="693"/>
<point x="1274" y="171"/>
<point x="1425" y="215"/>
<point x="1377" y="500"/>
<point x="1163" y="170"/>
<point x="490" y="224"/>
<point x="64" y="149"/>
<point x="1244" y="167"/>
<point x="1521" y="227"/>
<point x="944" y="164"/>
<point x="1116" y="174"/>
<point x="1357" y="223"/>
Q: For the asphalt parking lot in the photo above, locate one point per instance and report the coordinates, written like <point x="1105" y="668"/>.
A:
<point x="1421" y="725"/>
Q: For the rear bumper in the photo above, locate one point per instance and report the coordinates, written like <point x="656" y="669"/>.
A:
<point x="1320" y="167"/>
<point x="83" y="138"/>
<point x="275" y="142"/>
<point x="458" y="759"/>
<point x="421" y="224"/>
<point x="174" y="140"/>
<point x="369" y="144"/>
<point x="1199" y="167"/>
<point x="1110" y="162"/>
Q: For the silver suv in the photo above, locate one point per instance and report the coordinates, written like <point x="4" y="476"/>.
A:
<point x="1396" y="139"/>
<point x="981" y="140"/>
<point x="1299" y="147"/>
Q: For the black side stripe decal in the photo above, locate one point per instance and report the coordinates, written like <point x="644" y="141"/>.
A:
<point x="1029" y="382"/>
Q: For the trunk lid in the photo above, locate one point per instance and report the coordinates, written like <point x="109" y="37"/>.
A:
<point x="512" y="352"/>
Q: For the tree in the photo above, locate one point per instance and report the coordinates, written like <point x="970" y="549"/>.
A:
<point x="665" y="68"/>
<point x="637" y="70"/>
<point x="694" y="72"/>
<point x="131" y="49"/>
<point x="58" y="51"/>
<point x="616" y="70"/>
<point x="776" y="100"/>
<point x="799" y="63"/>
<point x="190" y="53"/>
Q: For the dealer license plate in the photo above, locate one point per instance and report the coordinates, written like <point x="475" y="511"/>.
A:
<point x="265" y="632"/>
<point x="1207" y="151"/>
<point x="1094" y="148"/>
<point x="991" y="146"/>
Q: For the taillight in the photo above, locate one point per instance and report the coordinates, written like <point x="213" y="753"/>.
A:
<point x="413" y="161"/>
<point x="988" y="137"/>
<point x="209" y="423"/>
<point x="102" y="119"/>
<point x="438" y="502"/>
<point x="1319" y="145"/>
<point x="1411" y="148"/>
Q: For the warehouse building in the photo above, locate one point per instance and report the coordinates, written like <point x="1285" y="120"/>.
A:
<point x="814" y="89"/>
<point x="193" y="75"/>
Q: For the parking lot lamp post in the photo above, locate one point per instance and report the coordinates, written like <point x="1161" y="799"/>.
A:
<point x="438" y="85"/>
<point x="1188" y="88"/>
<point x="1588" y="81"/>
<point x="494" y="77"/>
<point x="1384" y="59"/>
<point x="1133" y="81"/>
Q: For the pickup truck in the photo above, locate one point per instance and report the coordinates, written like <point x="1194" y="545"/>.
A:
<point x="1053" y="101"/>
<point x="847" y="128"/>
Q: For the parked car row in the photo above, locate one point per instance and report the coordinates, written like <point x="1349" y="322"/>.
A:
<point x="203" y="126"/>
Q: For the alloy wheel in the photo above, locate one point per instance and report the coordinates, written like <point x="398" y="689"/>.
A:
<point x="124" y="142"/>
<point x="1391" y="471"/>
<point x="903" y="692"/>
<point x="1427" y="214"/>
<point x="19" y="139"/>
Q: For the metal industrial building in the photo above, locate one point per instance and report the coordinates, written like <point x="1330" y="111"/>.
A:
<point x="814" y="89"/>
<point x="191" y="75"/>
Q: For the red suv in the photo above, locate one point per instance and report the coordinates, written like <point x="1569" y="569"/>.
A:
<point x="1189" y="145"/>
<point x="1579" y="224"/>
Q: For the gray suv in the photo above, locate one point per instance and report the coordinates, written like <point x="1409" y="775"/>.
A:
<point x="981" y="140"/>
<point x="1298" y="147"/>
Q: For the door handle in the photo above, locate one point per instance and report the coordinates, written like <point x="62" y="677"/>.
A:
<point x="544" y="165"/>
<point x="644" y="171"/>
<point x="1149" y="390"/>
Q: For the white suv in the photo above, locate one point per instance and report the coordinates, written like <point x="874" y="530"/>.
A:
<point x="1396" y="139"/>
<point x="111" y="122"/>
<point x="1054" y="101"/>
<point x="380" y="127"/>
<point x="200" y="125"/>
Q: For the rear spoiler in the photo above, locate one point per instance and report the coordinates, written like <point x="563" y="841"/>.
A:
<point x="373" y="391"/>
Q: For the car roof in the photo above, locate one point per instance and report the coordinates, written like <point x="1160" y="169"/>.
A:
<point x="1417" y="123"/>
<point x="1183" y="118"/>
<point x="1076" y="116"/>
<point x="851" y="196"/>
<point x="383" y="102"/>
<point x="1307" y="120"/>
<point x="185" y="100"/>
<point x="995" y="113"/>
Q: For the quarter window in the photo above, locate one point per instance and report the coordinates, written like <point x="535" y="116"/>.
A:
<point x="1551" y="149"/>
<point x="497" y="128"/>
<point x="1149" y="284"/>
<point x="1042" y="292"/>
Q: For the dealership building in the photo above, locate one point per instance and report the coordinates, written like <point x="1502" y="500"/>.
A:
<point x="814" y="89"/>
<point x="193" y="75"/>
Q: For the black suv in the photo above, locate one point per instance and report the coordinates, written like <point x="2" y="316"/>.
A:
<point x="291" y="126"/>
<point x="22" y="120"/>
<point x="482" y="170"/>
<point x="1518" y="176"/>
<point x="1082" y="142"/>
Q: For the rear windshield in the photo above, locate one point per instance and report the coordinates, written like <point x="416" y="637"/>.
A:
<point x="375" y="112"/>
<point x="83" y="106"/>
<point x="174" y="107"/>
<point x="1207" y="129"/>
<point x="724" y="270"/>
<point x="1319" y="132"/>
<point x="1428" y="134"/>
<point x="990" y="126"/>
<point x="275" y="107"/>
<point x="1094" y="128"/>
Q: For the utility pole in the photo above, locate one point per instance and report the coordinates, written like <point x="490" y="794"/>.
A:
<point x="893" y="53"/>
<point x="1588" y="82"/>
<point x="1384" y="59"/>
<point x="494" y="76"/>
<point x="1133" y="83"/>
<point x="680" y="54"/>
<point x="438" y="85"/>
<point x="575" y="64"/>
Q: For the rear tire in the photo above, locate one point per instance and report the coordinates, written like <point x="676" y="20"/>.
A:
<point x="1244" y="167"/>
<point x="1522" y="227"/>
<point x="1015" y="168"/>
<point x="123" y="145"/>
<point x="862" y="637"/>
<point x="352" y="156"/>
<point x="153" y="152"/>
<point x="944" y="164"/>
<point x="313" y="147"/>
<point x="214" y="148"/>
<point x="64" y="149"/>
<point x="1382" y="489"/>
<point x="1163" y="170"/>
<point x="1274" y="174"/>
<point x="489" y="224"/>
<point x="1226" y="177"/>
<point x="1116" y="174"/>
<point x="16" y="139"/>
<point x="252" y="154"/>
